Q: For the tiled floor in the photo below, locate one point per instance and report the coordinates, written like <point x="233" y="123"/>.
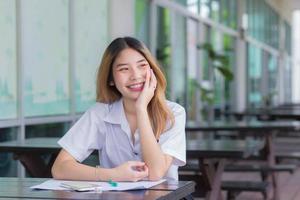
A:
<point x="289" y="185"/>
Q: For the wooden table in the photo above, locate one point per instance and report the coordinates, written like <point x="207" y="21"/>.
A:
<point x="211" y="154"/>
<point x="17" y="188"/>
<point x="269" y="114"/>
<point x="265" y="130"/>
<point x="29" y="153"/>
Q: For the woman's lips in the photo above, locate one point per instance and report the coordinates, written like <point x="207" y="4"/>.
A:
<point x="136" y="87"/>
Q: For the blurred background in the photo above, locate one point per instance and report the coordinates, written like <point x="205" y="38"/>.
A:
<point x="218" y="55"/>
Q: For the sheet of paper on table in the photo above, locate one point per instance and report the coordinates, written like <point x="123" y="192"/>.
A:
<point x="105" y="186"/>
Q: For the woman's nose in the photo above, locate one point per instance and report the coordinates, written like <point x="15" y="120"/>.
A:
<point x="135" y="74"/>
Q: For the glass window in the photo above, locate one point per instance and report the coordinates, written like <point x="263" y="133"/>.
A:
<point x="222" y="11"/>
<point x="171" y="52"/>
<point x="47" y="130"/>
<point x="89" y="38"/>
<point x="287" y="80"/>
<point x="216" y="41"/>
<point x="263" y="22"/>
<point x="205" y="8"/>
<point x="254" y="79"/>
<point x="8" y="63"/>
<point x="273" y="78"/>
<point x="193" y="70"/>
<point x="229" y="13"/>
<point x="45" y="56"/>
<point x="178" y="55"/>
<point x="8" y="166"/>
<point x="223" y="45"/>
<point x="288" y="36"/>
<point x="163" y="47"/>
<point x="215" y="9"/>
<point x="142" y="21"/>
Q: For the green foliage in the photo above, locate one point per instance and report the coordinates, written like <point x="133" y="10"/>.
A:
<point x="218" y="61"/>
<point x="206" y="94"/>
<point x="221" y="63"/>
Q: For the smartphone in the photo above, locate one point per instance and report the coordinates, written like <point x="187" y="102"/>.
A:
<point x="81" y="186"/>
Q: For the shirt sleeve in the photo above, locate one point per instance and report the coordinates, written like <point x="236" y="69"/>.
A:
<point x="84" y="137"/>
<point x="172" y="142"/>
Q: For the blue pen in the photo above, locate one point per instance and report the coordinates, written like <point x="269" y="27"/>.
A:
<point x="112" y="183"/>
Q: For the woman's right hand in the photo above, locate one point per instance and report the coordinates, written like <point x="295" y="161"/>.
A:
<point x="130" y="171"/>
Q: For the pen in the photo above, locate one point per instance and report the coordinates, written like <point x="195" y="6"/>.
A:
<point x="112" y="183"/>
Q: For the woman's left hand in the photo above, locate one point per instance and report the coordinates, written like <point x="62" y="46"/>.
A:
<point x="148" y="91"/>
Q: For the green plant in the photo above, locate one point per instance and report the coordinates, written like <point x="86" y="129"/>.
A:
<point x="219" y="61"/>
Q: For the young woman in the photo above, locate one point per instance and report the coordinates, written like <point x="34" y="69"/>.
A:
<point x="139" y="134"/>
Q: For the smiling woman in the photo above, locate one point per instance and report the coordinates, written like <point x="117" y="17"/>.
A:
<point x="139" y="134"/>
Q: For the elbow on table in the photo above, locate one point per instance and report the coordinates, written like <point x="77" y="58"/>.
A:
<point x="155" y="175"/>
<point x="55" y="172"/>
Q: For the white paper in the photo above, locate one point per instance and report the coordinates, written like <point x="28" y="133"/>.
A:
<point x="105" y="186"/>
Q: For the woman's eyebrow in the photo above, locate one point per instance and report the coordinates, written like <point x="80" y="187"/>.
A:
<point x="142" y="60"/>
<point x="121" y="64"/>
<point x="124" y="64"/>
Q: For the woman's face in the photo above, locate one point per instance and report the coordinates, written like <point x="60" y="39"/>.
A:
<point x="129" y="73"/>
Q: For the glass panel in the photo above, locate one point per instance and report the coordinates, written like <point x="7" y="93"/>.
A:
<point x="47" y="130"/>
<point x="142" y="20"/>
<point x="287" y="80"/>
<point x="163" y="51"/>
<point x="205" y="60"/>
<point x="216" y="40"/>
<point x="229" y="51"/>
<point x="223" y="11"/>
<point x="193" y="6"/>
<point x="272" y="75"/>
<point x="8" y="165"/>
<point x="192" y="54"/>
<point x="172" y="57"/>
<point x="288" y="36"/>
<point x="215" y="9"/>
<point x="223" y="45"/>
<point x="8" y="64"/>
<point x="229" y="13"/>
<point x="205" y="8"/>
<point x="44" y="43"/>
<point x="178" y="52"/>
<point x="254" y="79"/>
<point x="263" y="22"/>
<point x="89" y="43"/>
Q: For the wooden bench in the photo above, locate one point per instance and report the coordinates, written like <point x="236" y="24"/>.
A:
<point x="234" y="188"/>
<point x="260" y="168"/>
<point x="287" y="155"/>
<point x="245" y="168"/>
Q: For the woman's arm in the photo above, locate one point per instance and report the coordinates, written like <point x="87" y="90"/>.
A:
<point x="158" y="163"/>
<point x="66" y="167"/>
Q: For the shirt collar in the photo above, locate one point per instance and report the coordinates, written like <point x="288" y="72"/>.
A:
<point x="116" y="115"/>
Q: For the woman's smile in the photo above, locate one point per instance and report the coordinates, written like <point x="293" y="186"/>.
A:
<point x="136" y="87"/>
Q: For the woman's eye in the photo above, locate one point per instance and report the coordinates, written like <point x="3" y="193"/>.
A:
<point x="143" y="65"/>
<point x="123" y="69"/>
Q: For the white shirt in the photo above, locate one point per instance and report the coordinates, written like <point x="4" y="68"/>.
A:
<point x="104" y="127"/>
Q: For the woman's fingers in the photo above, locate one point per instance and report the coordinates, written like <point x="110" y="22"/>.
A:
<point x="153" y="80"/>
<point x="148" y="75"/>
<point x="136" y="163"/>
